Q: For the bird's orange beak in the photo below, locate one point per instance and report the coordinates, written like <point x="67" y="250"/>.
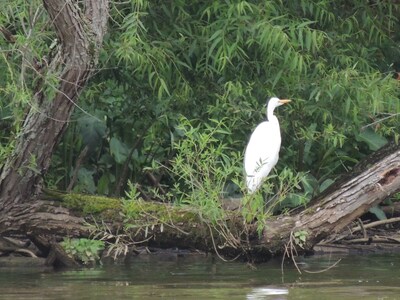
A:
<point x="284" y="101"/>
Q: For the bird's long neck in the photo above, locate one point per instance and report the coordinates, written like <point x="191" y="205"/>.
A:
<point x="270" y="113"/>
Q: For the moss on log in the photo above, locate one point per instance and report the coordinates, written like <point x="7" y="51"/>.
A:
<point x="161" y="224"/>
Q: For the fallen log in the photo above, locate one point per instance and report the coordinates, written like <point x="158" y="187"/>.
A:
<point x="165" y="225"/>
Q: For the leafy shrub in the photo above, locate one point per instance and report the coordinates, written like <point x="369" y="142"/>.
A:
<point x="84" y="250"/>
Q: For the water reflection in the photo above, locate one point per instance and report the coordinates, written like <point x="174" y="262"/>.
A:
<point x="200" y="277"/>
<point x="266" y="292"/>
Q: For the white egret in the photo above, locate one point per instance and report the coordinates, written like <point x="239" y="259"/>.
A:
<point x="262" y="151"/>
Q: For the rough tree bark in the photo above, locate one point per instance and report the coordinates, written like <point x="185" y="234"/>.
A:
<point x="80" y="28"/>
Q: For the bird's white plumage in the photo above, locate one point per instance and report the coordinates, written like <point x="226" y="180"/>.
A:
<point x="262" y="151"/>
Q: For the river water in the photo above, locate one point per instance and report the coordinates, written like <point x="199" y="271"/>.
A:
<point x="200" y="277"/>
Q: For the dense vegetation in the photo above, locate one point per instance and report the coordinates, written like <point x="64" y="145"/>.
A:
<point x="181" y="84"/>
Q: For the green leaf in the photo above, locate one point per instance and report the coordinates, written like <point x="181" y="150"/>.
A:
<point x="324" y="185"/>
<point x="104" y="183"/>
<point x="374" y="140"/>
<point x="118" y="150"/>
<point x="378" y="212"/>
<point x="310" y="184"/>
<point x="92" y="130"/>
<point x="293" y="200"/>
<point x="85" y="181"/>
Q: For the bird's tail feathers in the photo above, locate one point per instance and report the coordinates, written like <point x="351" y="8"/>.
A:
<point x="253" y="183"/>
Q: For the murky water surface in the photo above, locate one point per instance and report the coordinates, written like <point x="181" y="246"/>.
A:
<point x="198" y="277"/>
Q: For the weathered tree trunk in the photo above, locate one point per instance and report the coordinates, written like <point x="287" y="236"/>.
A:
<point x="80" y="27"/>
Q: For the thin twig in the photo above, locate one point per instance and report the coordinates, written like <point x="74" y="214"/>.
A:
<point x="286" y="252"/>
<point x="293" y="247"/>
<point x="366" y="226"/>
<point x="26" y="251"/>
<point x="377" y="223"/>
<point x="291" y="254"/>
<point x="324" y="270"/>
<point x="79" y="160"/>
<point x="216" y="250"/>
<point x="380" y="120"/>
<point x="375" y="239"/>
<point x="362" y="228"/>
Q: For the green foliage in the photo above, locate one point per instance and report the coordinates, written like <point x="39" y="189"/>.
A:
<point x="203" y="166"/>
<point x="181" y="84"/>
<point x="132" y="208"/>
<point x="84" y="250"/>
<point x="372" y="139"/>
<point x="300" y="238"/>
<point x="133" y="193"/>
<point x="279" y="193"/>
<point x="378" y="212"/>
